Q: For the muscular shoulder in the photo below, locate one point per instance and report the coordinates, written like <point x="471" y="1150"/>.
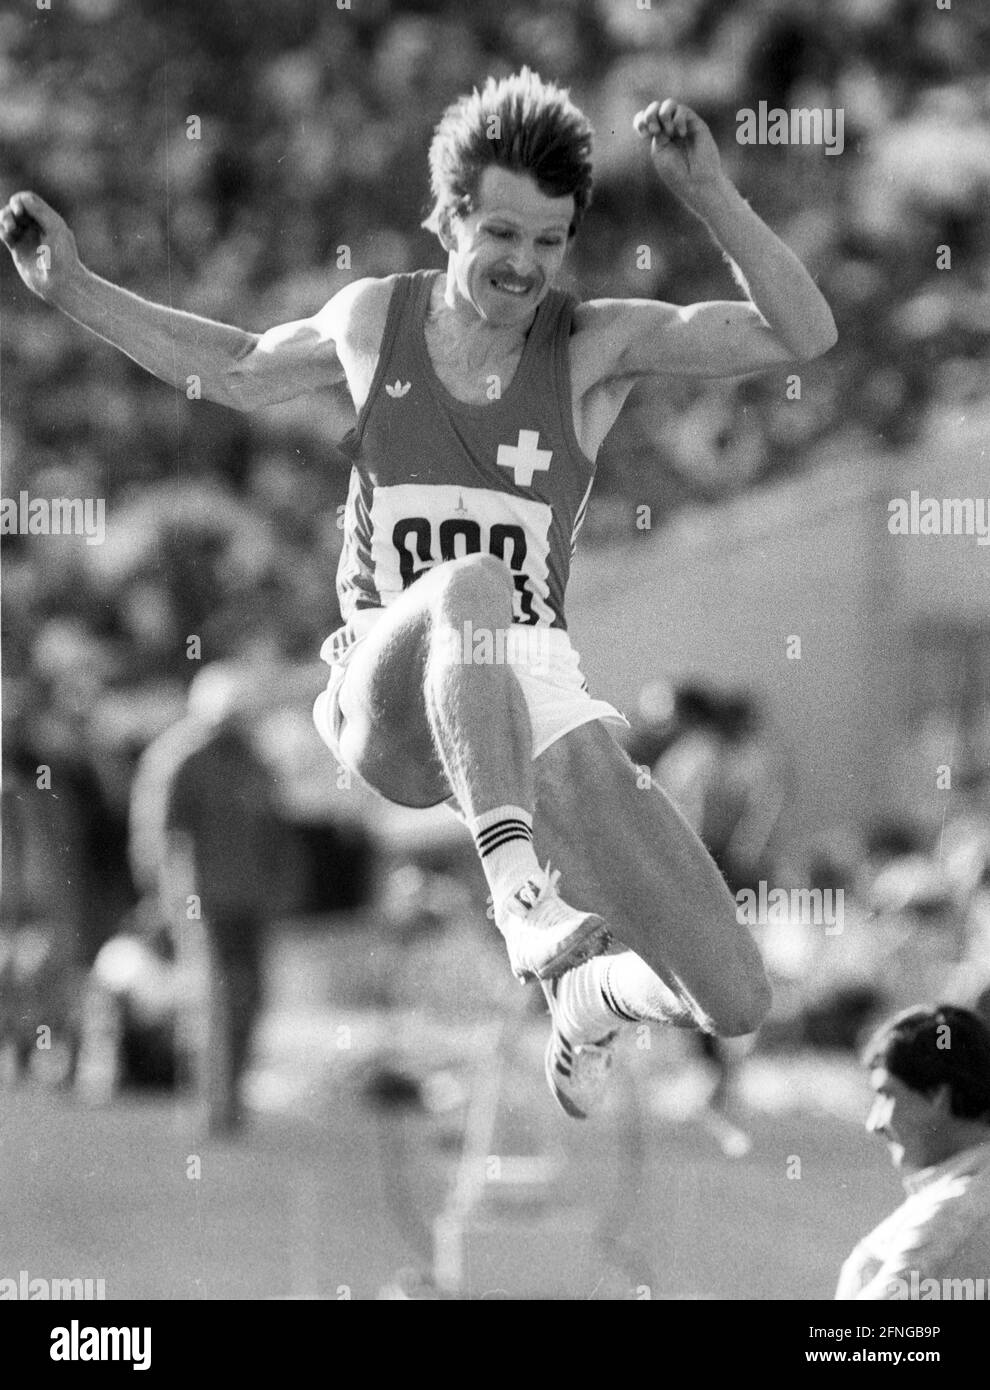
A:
<point x="601" y="378"/>
<point x="604" y="329"/>
<point x="356" y="315"/>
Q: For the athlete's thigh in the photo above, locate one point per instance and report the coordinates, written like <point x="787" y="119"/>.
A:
<point x="625" y="851"/>
<point x="385" y="735"/>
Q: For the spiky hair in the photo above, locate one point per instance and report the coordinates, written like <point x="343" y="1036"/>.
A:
<point x="519" y="123"/>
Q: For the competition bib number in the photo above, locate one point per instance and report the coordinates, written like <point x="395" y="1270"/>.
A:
<point x="413" y="539"/>
<point x="415" y="528"/>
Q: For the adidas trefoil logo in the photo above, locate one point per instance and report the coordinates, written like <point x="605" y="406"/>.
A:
<point x="399" y="389"/>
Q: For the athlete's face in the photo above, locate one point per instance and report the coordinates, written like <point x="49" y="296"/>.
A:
<point x="506" y="252"/>
<point x="913" y="1124"/>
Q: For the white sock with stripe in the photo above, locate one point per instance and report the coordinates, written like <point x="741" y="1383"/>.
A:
<point x="595" y="998"/>
<point x="504" y="840"/>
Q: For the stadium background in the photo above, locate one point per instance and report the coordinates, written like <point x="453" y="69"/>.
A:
<point x="767" y="515"/>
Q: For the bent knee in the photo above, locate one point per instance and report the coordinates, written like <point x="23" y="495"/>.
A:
<point x="746" y="1012"/>
<point x="475" y="584"/>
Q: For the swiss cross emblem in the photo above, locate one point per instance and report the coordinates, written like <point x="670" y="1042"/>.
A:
<point x="524" y="458"/>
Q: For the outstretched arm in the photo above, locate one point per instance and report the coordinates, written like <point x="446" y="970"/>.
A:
<point x="784" y="317"/>
<point x="234" y="367"/>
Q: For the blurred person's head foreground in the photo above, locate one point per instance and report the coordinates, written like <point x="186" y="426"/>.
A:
<point x="227" y="694"/>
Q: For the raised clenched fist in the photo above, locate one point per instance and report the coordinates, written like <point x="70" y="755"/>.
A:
<point x="40" y="243"/>
<point x="682" y="148"/>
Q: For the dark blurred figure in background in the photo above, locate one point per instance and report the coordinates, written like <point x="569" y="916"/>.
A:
<point x="65" y="883"/>
<point x="205" y="837"/>
<point x="930" y="1073"/>
<point x="726" y="773"/>
<point x="653" y="725"/>
<point x="729" y="777"/>
<point x="130" y="1009"/>
<point x="838" y="990"/>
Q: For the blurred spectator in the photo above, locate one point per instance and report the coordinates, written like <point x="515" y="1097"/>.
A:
<point x="966" y="857"/>
<point x="130" y="1010"/>
<point x="729" y="778"/>
<point x="654" y="724"/>
<point x="64" y="882"/>
<point x="205" y="837"/>
<point x="902" y="931"/>
<point x="930" y="1073"/>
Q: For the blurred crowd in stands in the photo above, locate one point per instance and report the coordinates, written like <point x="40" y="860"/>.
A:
<point x="861" y="920"/>
<point x="304" y="168"/>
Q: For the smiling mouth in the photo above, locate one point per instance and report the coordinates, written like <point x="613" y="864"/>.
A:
<point x="507" y="284"/>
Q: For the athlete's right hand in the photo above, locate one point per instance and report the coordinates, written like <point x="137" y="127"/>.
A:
<point x="40" y="243"/>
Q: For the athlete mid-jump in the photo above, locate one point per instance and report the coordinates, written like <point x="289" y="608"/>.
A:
<point x="483" y="394"/>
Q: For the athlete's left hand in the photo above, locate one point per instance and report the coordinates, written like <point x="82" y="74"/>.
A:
<point x="682" y="148"/>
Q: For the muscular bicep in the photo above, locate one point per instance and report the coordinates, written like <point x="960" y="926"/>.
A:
<point x="291" y="360"/>
<point x="718" y="338"/>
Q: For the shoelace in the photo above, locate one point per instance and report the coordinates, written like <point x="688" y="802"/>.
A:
<point x="554" y="910"/>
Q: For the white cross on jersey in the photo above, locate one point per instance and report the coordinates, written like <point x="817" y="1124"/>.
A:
<point x="524" y="458"/>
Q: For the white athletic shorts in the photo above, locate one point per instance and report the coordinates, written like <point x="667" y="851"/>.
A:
<point x="547" y="666"/>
